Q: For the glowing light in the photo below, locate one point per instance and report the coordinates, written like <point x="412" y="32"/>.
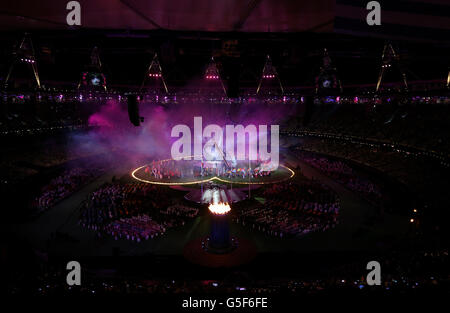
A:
<point x="212" y="72"/>
<point x="133" y="174"/>
<point x="219" y="208"/>
<point x="411" y="220"/>
<point x="26" y="60"/>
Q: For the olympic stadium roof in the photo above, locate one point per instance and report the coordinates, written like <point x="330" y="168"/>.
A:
<point x="198" y="15"/>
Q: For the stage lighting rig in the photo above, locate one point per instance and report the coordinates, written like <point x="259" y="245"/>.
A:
<point x="24" y="54"/>
<point x="389" y="60"/>
<point x="93" y="78"/>
<point x="133" y="110"/>
<point x="327" y="82"/>
<point x="212" y="73"/>
<point x="154" y="75"/>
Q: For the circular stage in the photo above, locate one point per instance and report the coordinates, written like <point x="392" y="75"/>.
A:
<point x="190" y="172"/>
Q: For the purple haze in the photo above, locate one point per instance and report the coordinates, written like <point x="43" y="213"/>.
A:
<point x="113" y="130"/>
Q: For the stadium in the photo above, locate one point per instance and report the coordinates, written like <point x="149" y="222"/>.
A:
<point x="350" y="162"/>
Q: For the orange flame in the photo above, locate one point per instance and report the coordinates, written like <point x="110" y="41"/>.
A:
<point x="219" y="208"/>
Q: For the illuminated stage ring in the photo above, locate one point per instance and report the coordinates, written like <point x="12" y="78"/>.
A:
<point x="214" y="178"/>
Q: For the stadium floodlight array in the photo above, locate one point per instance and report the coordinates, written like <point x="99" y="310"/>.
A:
<point x="212" y="73"/>
<point x="269" y="72"/>
<point x="388" y="59"/>
<point x="154" y="71"/>
<point x="93" y="78"/>
<point x="24" y="53"/>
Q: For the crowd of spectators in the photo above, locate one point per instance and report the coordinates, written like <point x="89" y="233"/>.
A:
<point x="178" y="210"/>
<point x="403" y="272"/>
<point x="422" y="178"/>
<point x="133" y="211"/>
<point x="293" y="210"/>
<point x="346" y="175"/>
<point x="135" y="228"/>
<point x="420" y="124"/>
<point x="64" y="185"/>
<point x="28" y="114"/>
